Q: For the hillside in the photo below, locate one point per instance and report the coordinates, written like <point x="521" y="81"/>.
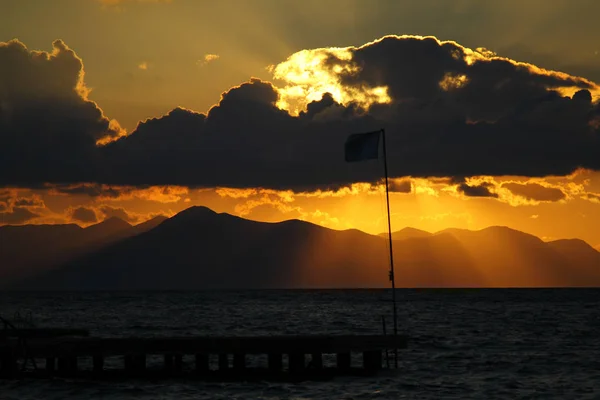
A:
<point x="199" y="248"/>
<point x="27" y="250"/>
<point x="407" y="233"/>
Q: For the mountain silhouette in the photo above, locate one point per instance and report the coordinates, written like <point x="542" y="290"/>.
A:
<point x="199" y="248"/>
<point x="150" y="224"/>
<point x="407" y="233"/>
<point x="492" y="257"/>
<point x="27" y="250"/>
<point x="113" y="228"/>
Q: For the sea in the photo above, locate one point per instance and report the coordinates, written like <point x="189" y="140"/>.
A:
<point x="464" y="343"/>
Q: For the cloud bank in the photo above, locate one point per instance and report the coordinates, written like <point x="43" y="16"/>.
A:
<point x="448" y="111"/>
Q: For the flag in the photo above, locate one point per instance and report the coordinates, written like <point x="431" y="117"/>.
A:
<point x="362" y="146"/>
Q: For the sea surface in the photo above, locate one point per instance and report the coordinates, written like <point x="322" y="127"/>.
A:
<point x="465" y="344"/>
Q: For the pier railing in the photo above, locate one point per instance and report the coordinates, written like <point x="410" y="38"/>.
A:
<point x="62" y="356"/>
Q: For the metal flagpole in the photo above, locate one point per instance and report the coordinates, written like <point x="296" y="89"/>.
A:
<point x="392" y="276"/>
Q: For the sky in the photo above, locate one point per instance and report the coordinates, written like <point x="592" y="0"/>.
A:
<point x="137" y="108"/>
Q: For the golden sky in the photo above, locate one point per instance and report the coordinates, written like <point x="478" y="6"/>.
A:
<point x="142" y="59"/>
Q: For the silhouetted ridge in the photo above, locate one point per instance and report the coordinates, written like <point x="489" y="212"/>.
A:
<point x="195" y="212"/>
<point x="199" y="248"/>
<point x="150" y="224"/>
<point x="33" y="249"/>
<point x="112" y="223"/>
<point x="492" y="233"/>
<point x="159" y="219"/>
<point x="572" y="244"/>
<point x="407" y="233"/>
<point x="198" y="220"/>
<point x="112" y="227"/>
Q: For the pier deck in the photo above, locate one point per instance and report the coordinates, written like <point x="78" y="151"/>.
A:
<point x="86" y="356"/>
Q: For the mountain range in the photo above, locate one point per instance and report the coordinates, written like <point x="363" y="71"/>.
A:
<point x="201" y="249"/>
<point x="28" y="250"/>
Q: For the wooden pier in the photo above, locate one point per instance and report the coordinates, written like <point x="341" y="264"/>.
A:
<point x="220" y="358"/>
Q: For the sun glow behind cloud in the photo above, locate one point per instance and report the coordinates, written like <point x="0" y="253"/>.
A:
<point x="309" y="74"/>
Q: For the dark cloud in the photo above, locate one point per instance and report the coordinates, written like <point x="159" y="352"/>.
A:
<point x="400" y="186"/>
<point x="453" y="112"/>
<point x="162" y="194"/>
<point x="88" y="189"/>
<point x="84" y="214"/>
<point x="92" y="214"/>
<point x="16" y="216"/>
<point x="423" y="71"/>
<point x="482" y="190"/>
<point x="535" y="191"/>
<point x="48" y="127"/>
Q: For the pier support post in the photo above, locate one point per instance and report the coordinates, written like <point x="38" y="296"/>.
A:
<point x="67" y="365"/>
<point x="73" y="364"/>
<point x="275" y="362"/>
<point x="178" y="365"/>
<point x="98" y="362"/>
<point x="168" y="362"/>
<point x="239" y="362"/>
<point x="296" y="362"/>
<point x="63" y="365"/>
<point x="8" y="365"/>
<point x="343" y="361"/>
<point x="202" y="363"/>
<point x="135" y="363"/>
<point x="372" y="360"/>
<point x="128" y="363"/>
<point x="50" y="364"/>
<point x="223" y="362"/>
<point x="316" y="360"/>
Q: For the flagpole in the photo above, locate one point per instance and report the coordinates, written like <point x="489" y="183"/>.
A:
<point x="392" y="276"/>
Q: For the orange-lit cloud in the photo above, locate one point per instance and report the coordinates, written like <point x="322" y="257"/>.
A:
<point x="208" y="58"/>
<point x="82" y="215"/>
<point x="16" y="209"/>
<point x="17" y="216"/>
<point x="432" y="205"/>
<point x="521" y="191"/>
<point x="309" y="74"/>
<point x="143" y="66"/>
<point x="593" y="197"/>
<point x="535" y="191"/>
<point x="236" y="193"/>
<point x="88" y="215"/>
<point x="160" y="194"/>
